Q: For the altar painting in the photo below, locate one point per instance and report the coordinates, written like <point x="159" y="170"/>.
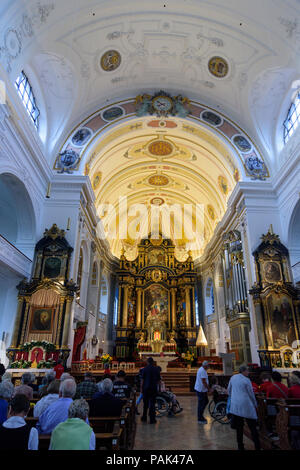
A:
<point x="156" y="256"/>
<point x="281" y="329"/>
<point x="156" y="303"/>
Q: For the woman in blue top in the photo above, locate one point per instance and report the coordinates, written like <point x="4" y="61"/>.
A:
<point x="6" y="392"/>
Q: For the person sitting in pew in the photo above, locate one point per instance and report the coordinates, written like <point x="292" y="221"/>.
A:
<point x="47" y="400"/>
<point x="121" y="389"/>
<point x="87" y="388"/>
<point x="265" y="378"/>
<point x="277" y="389"/>
<point x="57" y="412"/>
<point x="49" y="377"/>
<point x="15" y="433"/>
<point x="74" y="433"/>
<point x="106" y="404"/>
<point x="6" y="392"/>
<point x="25" y="388"/>
<point x="294" y="382"/>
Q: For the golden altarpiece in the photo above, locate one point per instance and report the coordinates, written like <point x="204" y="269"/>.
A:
<point x="42" y="322"/>
<point x="277" y="304"/>
<point x="156" y="309"/>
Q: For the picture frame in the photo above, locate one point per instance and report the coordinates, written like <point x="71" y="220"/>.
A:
<point x="41" y="320"/>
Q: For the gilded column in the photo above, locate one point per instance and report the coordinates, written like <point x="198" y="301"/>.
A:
<point x="125" y="307"/>
<point x="17" y="323"/>
<point x="173" y="294"/>
<point x="139" y="308"/>
<point x="22" y="340"/>
<point x="188" y="306"/>
<point x="67" y="324"/>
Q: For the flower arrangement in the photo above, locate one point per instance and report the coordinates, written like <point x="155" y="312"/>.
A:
<point x="49" y="364"/>
<point x="22" y="364"/>
<point x="49" y="347"/>
<point x="106" y="358"/>
<point x="188" y="357"/>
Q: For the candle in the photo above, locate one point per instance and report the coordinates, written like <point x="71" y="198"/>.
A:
<point x="69" y="223"/>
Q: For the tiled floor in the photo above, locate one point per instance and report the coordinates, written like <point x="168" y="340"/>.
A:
<point x="183" y="432"/>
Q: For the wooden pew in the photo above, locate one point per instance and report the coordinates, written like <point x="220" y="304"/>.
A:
<point x="288" y="423"/>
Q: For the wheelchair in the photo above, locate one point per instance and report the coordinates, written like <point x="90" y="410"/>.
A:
<point x="164" y="405"/>
<point x="217" y="408"/>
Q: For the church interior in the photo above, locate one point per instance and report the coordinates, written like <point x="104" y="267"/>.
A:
<point x="150" y="196"/>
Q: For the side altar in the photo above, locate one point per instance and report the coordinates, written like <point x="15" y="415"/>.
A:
<point x="156" y="312"/>
<point x="42" y="322"/>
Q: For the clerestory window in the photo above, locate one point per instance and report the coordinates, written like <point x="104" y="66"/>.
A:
<point x="25" y="91"/>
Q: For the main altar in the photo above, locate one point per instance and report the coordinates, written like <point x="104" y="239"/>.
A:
<point x="156" y="309"/>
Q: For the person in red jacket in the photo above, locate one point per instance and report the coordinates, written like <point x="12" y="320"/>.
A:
<point x="255" y="387"/>
<point x="277" y="389"/>
<point x="59" y="369"/>
<point x="265" y="378"/>
<point x="294" y="381"/>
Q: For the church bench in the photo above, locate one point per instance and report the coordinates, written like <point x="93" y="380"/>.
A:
<point x="288" y="424"/>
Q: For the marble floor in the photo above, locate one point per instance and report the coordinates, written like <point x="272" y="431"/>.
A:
<point x="182" y="432"/>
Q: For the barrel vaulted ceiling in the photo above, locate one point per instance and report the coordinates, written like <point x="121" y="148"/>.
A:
<point x="159" y="45"/>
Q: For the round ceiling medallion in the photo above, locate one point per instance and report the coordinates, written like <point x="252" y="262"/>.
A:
<point x="157" y="201"/>
<point x="110" y="60"/>
<point x="218" y="67"/>
<point x="158" y="180"/>
<point x="160" y="148"/>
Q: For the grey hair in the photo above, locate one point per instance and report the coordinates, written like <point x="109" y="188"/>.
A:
<point x="65" y="376"/>
<point x="79" y="409"/>
<point x="50" y="376"/>
<point x="294" y="379"/>
<point x="27" y="378"/>
<point x="242" y="368"/>
<point x="106" y="386"/>
<point x="67" y="388"/>
<point x="6" y="389"/>
<point x="6" y="376"/>
<point x="205" y="363"/>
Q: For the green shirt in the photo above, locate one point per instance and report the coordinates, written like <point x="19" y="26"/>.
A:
<point x="72" y="434"/>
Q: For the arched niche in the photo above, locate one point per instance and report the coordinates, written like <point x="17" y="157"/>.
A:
<point x="17" y="214"/>
<point x="209" y="297"/>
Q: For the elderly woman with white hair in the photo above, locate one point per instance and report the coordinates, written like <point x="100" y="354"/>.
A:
<point x="25" y="389"/>
<point x="243" y="406"/>
<point x="57" y="412"/>
<point x="74" y="433"/>
<point x="6" y="392"/>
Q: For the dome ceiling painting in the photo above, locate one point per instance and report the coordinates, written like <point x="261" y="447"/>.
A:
<point x="168" y="106"/>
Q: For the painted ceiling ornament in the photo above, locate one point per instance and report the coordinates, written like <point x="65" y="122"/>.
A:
<point x="112" y="113"/>
<point x="97" y="180"/>
<point x="256" y="168"/>
<point x="218" y="67"/>
<point x="223" y="184"/>
<point x="242" y="143"/>
<point x="157" y="201"/>
<point x="211" y="212"/>
<point x="158" y="180"/>
<point x="236" y="175"/>
<point x="67" y="161"/>
<point x="81" y="137"/>
<point x="211" y="118"/>
<point x="110" y="61"/>
<point x="162" y="104"/>
<point x="160" y="148"/>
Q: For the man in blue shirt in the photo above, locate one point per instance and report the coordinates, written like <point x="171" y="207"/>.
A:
<point x="57" y="412"/>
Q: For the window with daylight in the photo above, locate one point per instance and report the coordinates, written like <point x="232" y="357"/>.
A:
<point x="25" y="91"/>
<point x="293" y="118"/>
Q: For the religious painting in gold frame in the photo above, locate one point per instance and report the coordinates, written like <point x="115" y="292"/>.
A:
<point x="281" y="324"/>
<point x="41" y="319"/>
<point x="272" y="271"/>
<point x="156" y="303"/>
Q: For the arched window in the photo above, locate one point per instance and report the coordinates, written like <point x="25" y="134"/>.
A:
<point x="293" y="118"/>
<point x="79" y="273"/>
<point x="25" y="91"/>
<point x="209" y="298"/>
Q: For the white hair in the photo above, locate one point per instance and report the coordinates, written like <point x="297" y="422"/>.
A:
<point x="79" y="409"/>
<point x="6" y="376"/>
<point x="65" y="376"/>
<point x="6" y="389"/>
<point x="67" y="388"/>
<point x="106" y="386"/>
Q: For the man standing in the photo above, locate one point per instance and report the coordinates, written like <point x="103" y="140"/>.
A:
<point x="243" y="406"/>
<point x="150" y="378"/>
<point x="202" y="387"/>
